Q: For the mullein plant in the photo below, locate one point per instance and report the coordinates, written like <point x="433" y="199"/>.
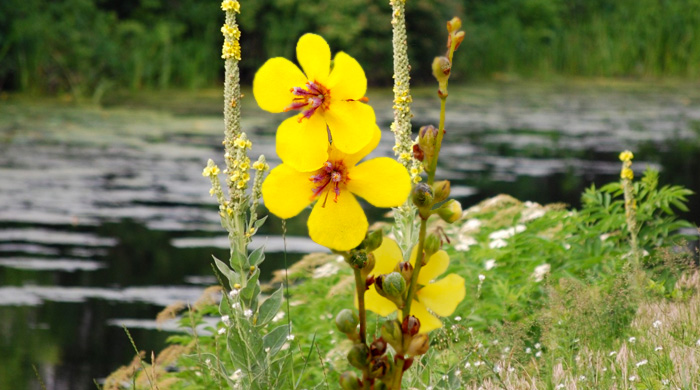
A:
<point x="255" y="350"/>
<point x="322" y="148"/>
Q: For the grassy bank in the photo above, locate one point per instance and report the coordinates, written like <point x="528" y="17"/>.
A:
<point x="89" y="48"/>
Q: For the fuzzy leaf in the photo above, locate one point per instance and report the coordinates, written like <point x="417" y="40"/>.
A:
<point x="257" y="256"/>
<point x="276" y="339"/>
<point x="230" y="274"/>
<point x="270" y="307"/>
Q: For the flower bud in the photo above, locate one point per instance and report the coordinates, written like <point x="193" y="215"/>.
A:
<point x="441" y="69"/>
<point x="350" y="381"/>
<point x="377" y="347"/>
<point x="422" y="195"/>
<point x="419" y="345"/>
<point x="441" y="190"/>
<point x="359" y="356"/>
<point x="427" y="139"/>
<point x="392" y="287"/>
<point x="347" y="321"/>
<point x="379" y="367"/>
<point x="369" y="266"/>
<point x="454" y="24"/>
<point x="373" y="240"/>
<point x="405" y="269"/>
<point x="410" y="325"/>
<point x="458" y="38"/>
<point x="358" y="258"/>
<point x="391" y="333"/>
<point x="407" y="363"/>
<point x="451" y="211"/>
<point x="432" y="245"/>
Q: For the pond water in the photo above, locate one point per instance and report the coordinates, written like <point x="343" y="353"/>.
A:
<point x="105" y="217"/>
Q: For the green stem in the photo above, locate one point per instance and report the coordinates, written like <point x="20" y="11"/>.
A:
<point x="416" y="270"/>
<point x="398" y="374"/>
<point x="360" y="287"/>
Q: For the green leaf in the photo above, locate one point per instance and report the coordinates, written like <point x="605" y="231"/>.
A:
<point x="270" y="307"/>
<point x="257" y="256"/>
<point x="276" y="339"/>
<point x="259" y="222"/>
<point x="239" y="262"/>
<point x="230" y="274"/>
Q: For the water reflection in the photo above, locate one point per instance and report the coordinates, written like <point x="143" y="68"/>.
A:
<point x="105" y="217"/>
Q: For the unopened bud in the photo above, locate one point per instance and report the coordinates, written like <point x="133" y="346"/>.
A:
<point x="432" y="245"/>
<point x="358" y="258"/>
<point x="359" y="356"/>
<point x="391" y="333"/>
<point x="441" y="190"/>
<point x="369" y="265"/>
<point x="405" y="269"/>
<point x="392" y="287"/>
<point x="377" y="347"/>
<point x="422" y="195"/>
<point x="379" y="366"/>
<point x="427" y="139"/>
<point x="347" y="321"/>
<point x="454" y="24"/>
<point x="451" y="211"/>
<point x="373" y="240"/>
<point x="419" y="345"/>
<point x="457" y="39"/>
<point x="350" y="381"/>
<point x="410" y="325"/>
<point x="441" y="69"/>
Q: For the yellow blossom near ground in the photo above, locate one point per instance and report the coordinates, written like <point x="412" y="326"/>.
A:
<point x="337" y="220"/>
<point x="329" y="100"/>
<point x="440" y="297"/>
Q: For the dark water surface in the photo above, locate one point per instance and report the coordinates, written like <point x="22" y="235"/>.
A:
<point x="105" y="217"/>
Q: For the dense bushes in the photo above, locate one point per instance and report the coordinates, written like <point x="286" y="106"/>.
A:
<point x="87" y="46"/>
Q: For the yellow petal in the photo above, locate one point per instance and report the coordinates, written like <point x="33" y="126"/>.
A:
<point x="386" y="257"/>
<point x="273" y="82"/>
<point x="347" y="79"/>
<point x="377" y="303"/>
<point x="428" y="321"/>
<point x="443" y="296"/>
<point x="352" y="159"/>
<point x="381" y="181"/>
<point x="287" y="191"/>
<point x="341" y="226"/>
<point x="314" y="56"/>
<point x="436" y="266"/>
<point x="303" y="146"/>
<point x="351" y="125"/>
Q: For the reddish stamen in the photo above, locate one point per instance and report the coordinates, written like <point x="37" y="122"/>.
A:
<point x="333" y="173"/>
<point x="309" y="99"/>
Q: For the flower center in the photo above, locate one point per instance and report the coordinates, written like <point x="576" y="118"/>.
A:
<point x="309" y="98"/>
<point x="329" y="178"/>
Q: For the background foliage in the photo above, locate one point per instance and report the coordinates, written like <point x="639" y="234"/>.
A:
<point x="85" y="47"/>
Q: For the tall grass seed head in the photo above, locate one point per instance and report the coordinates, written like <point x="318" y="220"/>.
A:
<point x="373" y="240"/>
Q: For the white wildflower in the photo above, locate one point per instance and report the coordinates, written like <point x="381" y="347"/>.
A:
<point x="582" y="378"/>
<point x="226" y="320"/>
<point x="278" y="316"/>
<point x="497" y="369"/>
<point x="458" y="318"/>
<point x="482" y="277"/>
<point x="477" y="363"/>
<point x="290" y="337"/>
<point x="664" y="382"/>
<point x="506" y="233"/>
<point x="248" y="313"/>
<point x="632" y="339"/>
<point x="234" y="293"/>
<point x="464" y="242"/>
<point x="538" y="346"/>
<point x="458" y="372"/>
<point x="495" y="244"/>
<point x="528" y="350"/>
<point x="222" y="330"/>
<point x="541" y="271"/>
<point x="538" y="354"/>
<point x="656" y="324"/>
<point x="489" y="264"/>
<point x="643" y="362"/>
<point x="632" y="378"/>
<point x="612" y="353"/>
<point x="467" y="365"/>
<point x="326" y="270"/>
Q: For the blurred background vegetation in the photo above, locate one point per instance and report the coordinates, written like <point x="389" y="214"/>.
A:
<point x="87" y="47"/>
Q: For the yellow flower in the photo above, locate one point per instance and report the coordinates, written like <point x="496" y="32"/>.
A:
<point x="626" y="156"/>
<point x="231" y="5"/>
<point x="327" y="100"/>
<point x="210" y="171"/>
<point x="337" y="220"/>
<point x="441" y="297"/>
<point x="627" y="173"/>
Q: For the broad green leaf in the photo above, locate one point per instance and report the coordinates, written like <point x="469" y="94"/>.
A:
<point x="257" y="256"/>
<point x="230" y="274"/>
<point x="270" y="307"/>
<point x="276" y="339"/>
